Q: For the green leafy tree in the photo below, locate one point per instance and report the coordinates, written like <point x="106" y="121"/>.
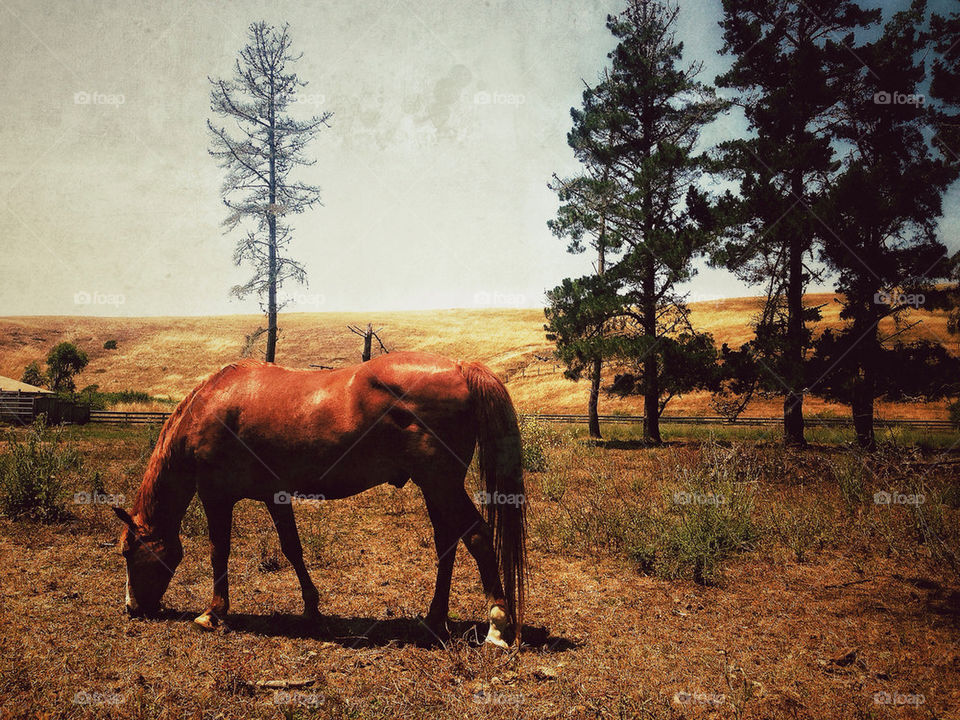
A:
<point x="637" y="134"/>
<point x="260" y="150"/>
<point x="945" y="83"/>
<point x="63" y="362"/>
<point x="789" y="70"/>
<point x="33" y="375"/>
<point x="883" y="210"/>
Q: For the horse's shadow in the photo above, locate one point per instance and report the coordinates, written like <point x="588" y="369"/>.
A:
<point x="363" y="632"/>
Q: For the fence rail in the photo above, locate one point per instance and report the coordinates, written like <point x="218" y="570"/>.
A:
<point x="744" y="421"/>
<point x="119" y="416"/>
<point x="113" y="416"/>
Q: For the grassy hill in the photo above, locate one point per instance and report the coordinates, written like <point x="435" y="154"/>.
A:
<point x="167" y="356"/>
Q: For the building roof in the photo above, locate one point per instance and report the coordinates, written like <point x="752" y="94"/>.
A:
<point x="11" y="385"/>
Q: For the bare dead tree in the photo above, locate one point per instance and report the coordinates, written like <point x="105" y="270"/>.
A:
<point x="368" y="335"/>
<point x="259" y="151"/>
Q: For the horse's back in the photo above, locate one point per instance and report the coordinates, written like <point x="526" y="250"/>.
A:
<point x="380" y="421"/>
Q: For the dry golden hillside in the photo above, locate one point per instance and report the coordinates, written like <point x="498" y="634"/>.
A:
<point x="168" y="356"/>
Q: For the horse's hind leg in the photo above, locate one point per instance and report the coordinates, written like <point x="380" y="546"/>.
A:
<point x="219" y="521"/>
<point x="462" y="520"/>
<point x="286" y="525"/>
<point x="445" y="539"/>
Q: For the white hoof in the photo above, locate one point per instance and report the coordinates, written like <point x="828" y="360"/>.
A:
<point x="206" y="622"/>
<point x="498" y="626"/>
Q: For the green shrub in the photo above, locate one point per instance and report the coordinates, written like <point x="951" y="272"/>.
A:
<point x="850" y="475"/>
<point x="32" y="473"/>
<point x="33" y="375"/>
<point x="103" y="400"/>
<point x="694" y="538"/>
<point x="801" y="529"/>
<point x="536" y="438"/>
<point x="704" y="517"/>
<point x="110" y="345"/>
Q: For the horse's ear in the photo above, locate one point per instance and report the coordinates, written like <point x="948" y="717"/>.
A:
<point x="123" y="515"/>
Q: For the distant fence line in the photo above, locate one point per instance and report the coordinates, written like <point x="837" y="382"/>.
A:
<point x="115" y="416"/>
<point x="762" y="421"/>
<point x="22" y="408"/>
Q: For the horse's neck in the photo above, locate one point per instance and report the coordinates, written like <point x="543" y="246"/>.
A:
<point x="163" y="500"/>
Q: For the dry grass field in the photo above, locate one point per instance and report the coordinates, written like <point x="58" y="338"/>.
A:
<point x="166" y="357"/>
<point x="718" y="576"/>
<point x="796" y="596"/>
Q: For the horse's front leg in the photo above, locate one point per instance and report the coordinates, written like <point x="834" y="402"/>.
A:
<point x="219" y="521"/>
<point x="283" y="520"/>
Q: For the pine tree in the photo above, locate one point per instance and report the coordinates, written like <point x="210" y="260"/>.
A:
<point x="883" y="211"/>
<point x="790" y="74"/>
<point x="637" y="134"/>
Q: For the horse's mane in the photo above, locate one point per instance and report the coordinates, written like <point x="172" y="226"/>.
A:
<point x="165" y="450"/>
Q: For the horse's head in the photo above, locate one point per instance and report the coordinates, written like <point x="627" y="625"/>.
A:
<point x="151" y="561"/>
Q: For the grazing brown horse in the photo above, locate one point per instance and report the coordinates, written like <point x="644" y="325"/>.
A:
<point x="257" y="430"/>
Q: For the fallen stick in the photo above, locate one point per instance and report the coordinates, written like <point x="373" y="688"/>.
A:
<point x="285" y="684"/>
<point x="847" y="584"/>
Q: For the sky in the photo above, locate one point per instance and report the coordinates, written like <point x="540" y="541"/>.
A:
<point x="449" y="118"/>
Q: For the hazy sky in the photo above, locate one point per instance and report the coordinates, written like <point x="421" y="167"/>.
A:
<point x="431" y="198"/>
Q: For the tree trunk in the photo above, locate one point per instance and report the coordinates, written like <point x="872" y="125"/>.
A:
<point x="651" y="364"/>
<point x="592" y="411"/>
<point x="272" y="294"/>
<point x="367" y="342"/>
<point x="862" y="406"/>
<point x="864" y="387"/>
<point x="793" y="350"/>
<point x="272" y="225"/>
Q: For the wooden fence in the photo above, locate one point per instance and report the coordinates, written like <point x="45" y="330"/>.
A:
<point x="753" y="421"/>
<point x="111" y="416"/>
<point x="21" y="408"/>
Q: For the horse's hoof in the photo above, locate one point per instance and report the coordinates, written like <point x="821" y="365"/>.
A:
<point x="498" y="626"/>
<point x="496" y="642"/>
<point x="437" y="627"/>
<point x="206" y="622"/>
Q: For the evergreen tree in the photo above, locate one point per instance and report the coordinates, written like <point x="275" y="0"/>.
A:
<point x="790" y="74"/>
<point x="883" y="210"/>
<point x="637" y="135"/>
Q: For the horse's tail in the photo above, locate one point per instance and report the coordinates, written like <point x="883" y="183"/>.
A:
<point x="498" y="438"/>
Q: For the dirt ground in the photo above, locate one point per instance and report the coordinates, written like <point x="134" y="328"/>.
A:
<point x="862" y="628"/>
